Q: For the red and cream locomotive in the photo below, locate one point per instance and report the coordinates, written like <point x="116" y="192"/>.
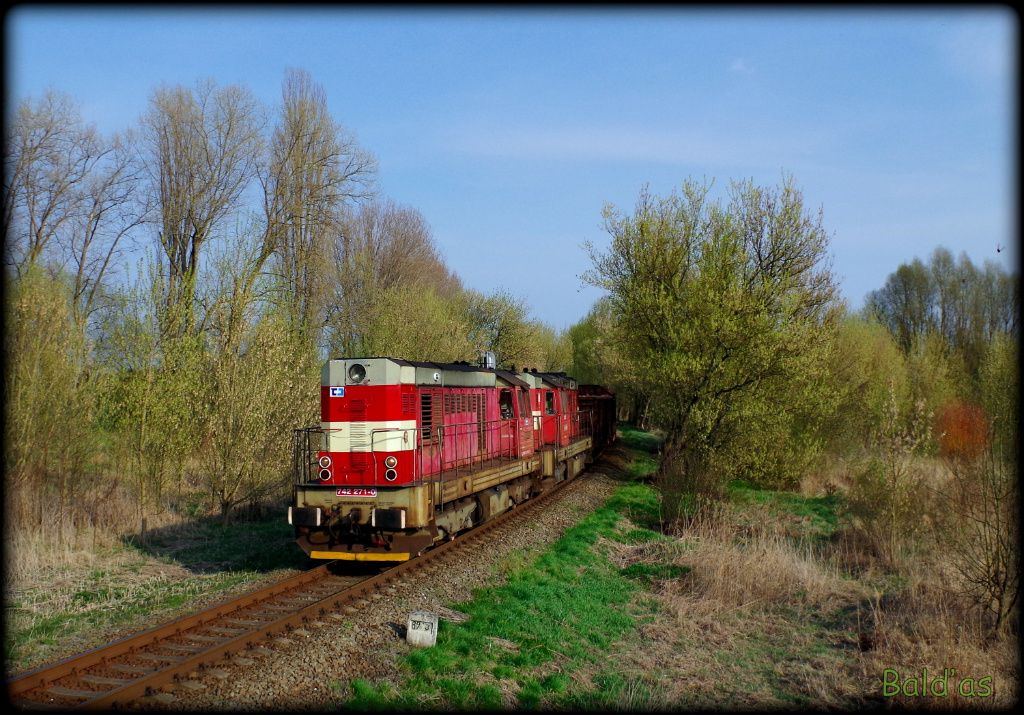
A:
<point x="410" y="453"/>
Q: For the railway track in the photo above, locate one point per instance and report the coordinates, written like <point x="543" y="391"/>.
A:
<point x="154" y="660"/>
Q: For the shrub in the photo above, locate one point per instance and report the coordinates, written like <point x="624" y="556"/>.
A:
<point x="981" y="531"/>
<point x="49" y="402"/>
<point x="963" y="431"/>
<point x="889" y="495"/>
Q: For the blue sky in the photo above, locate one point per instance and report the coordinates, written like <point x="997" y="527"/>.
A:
<point x="510" y="129"/>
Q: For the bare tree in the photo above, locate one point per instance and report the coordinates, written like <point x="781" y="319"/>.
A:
<point x="110" y="210"/>
<point x="315" y="167"/>
<point x="48" y="156"/>
<point x="982" y="534"/>
<point x="203" y="147"/>
<point x="380" y="247"/>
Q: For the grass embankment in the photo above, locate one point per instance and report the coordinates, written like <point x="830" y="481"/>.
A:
<point x="95" y="596"/>
<point x="767" y="601"/>
<point x="618" y="615"/>
<point x="529" y="640"/>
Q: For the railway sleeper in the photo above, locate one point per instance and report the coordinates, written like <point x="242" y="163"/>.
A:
<point x="185" y="648"/>
<point x="131" y="669"/>
<point x="62" y="692"/>
<point x="161" y="657"/>
<point x="101" y="680"/>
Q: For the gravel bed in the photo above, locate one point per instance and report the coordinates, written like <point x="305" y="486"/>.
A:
<point x="312" y="666"/>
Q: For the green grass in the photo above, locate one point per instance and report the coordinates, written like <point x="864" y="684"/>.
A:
<point x="645" y="446"/>
<point x="818" y="517"/>
<point x="637" y="439"/>
<point x="545" y="638"/>
<point x="561" y="612"/>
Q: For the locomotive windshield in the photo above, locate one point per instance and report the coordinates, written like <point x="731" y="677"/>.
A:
<point x="505" y="404"/>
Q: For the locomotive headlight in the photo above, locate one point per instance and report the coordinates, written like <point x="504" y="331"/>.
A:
<point x="390" y="462"/>
<point x="325" y="462"/>
<point x="356" y="373"/>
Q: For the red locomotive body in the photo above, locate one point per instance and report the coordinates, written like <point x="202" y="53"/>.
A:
<point x="409" y="453"/>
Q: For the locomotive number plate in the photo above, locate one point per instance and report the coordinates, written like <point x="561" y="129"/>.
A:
<point x="356" y="492"/>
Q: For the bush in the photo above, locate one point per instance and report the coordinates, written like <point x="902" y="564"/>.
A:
<point x="689" y="487"/>
<point x="865" y="366"/>
<point x="963" y="431"/>
<point x="981" y="531"/>
<point x="889" y="495"/>
<point x="254" y="397"/>
<point x="49" y="402"/>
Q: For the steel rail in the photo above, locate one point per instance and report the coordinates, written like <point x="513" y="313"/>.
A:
<point x="68" y="666"/>
<point x="40" y="680"/>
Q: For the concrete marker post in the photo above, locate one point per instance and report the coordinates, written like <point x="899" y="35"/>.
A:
<point x="421" y="631"/>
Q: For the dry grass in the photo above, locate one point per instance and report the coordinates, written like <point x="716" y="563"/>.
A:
<point x="835" y="473"/>
<point x="917" y="616"/>
<point x="927" y="623"/>
<point x="743" y="627"/>
<point x="737" y="563"/>
<point x="33" y="555"/>
<point x="764" y="618"/>
<point x="61" y="597"/>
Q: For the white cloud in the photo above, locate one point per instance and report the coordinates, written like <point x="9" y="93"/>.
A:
<point x="740" y="66"/>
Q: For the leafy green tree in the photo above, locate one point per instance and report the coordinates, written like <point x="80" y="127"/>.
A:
<point x="500" y="322"/>
<point x="49" y="398"/>
<point x="554" y="347"/>
<point x="415" y="323"/>
<point x="596" y="359"/>
<point x="153" y="394"/>
<point x="719" y="307"/>
<point x="864" y="366"/>
<point x="966" y="306"/>
<point x="1000" y="381"/>
<point x="936" y="378"/>
<point x="906" y="303"/>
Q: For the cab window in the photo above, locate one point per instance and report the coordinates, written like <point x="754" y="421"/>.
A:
<point x="549" y="402"/>
<point x="505" y="404"/>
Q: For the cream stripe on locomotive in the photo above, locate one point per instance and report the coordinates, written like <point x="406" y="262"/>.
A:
<point x="383" y="436"/>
